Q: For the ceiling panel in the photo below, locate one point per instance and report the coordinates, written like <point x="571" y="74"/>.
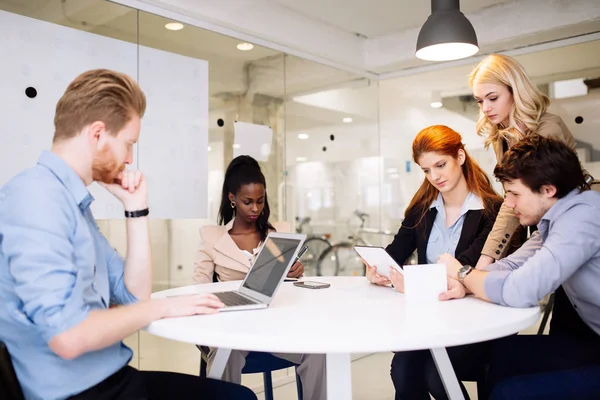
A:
<point x="375" y="17"/>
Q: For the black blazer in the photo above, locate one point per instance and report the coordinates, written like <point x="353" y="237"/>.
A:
<point x="475" y="231"/>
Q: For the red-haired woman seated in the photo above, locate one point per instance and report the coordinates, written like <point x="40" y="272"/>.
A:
<point x="452" y="212"/>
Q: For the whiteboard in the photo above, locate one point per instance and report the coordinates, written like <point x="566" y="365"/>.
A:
<point x="172" y="150"/>
<point x="253" y="140"/>
<point x="173" y="145"/>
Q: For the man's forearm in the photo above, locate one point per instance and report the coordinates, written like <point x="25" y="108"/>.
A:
<point x="103" y="328"/>
<point x="475" y="284"/>
<point x="138" y="263"/>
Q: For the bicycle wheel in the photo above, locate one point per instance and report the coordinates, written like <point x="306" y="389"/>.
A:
<point x="349" y="262"/>
<point x="341" y="259"/>
<point x="310" y="259"/>
<point x="328" y="264"/>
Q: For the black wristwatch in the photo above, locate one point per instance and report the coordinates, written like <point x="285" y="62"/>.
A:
<point x="463" y="272"/>
<point x="137" y="213"/>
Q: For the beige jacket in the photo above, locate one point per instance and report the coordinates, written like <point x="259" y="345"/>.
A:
<point x="218" y="254"/>
<point x="507" y="224"/>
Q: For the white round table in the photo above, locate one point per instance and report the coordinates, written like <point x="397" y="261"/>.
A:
<point x="351" y="316"/>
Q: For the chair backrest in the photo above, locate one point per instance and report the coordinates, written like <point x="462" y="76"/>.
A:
<point x="10" y="389"/>
<point x="257" y="362"/>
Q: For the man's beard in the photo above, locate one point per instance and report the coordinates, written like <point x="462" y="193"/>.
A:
<point x="105" y="168"/>
<point x="536" y="218"/>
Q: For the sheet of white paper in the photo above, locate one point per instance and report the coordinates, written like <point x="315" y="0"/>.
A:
<point x="253" y="140"/>
<point x="424" y="283"/>
<point x="378" y="257"/>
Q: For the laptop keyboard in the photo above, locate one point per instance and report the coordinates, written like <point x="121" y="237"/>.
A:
<point x="233" y="299"/>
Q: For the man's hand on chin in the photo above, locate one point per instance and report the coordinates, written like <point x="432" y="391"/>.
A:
<point x="130" y="188"/>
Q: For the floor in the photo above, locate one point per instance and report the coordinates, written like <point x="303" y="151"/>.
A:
<point x="370" y="372"/>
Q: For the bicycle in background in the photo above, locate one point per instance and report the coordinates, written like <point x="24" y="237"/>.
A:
<point x="342" y="259"/>
<point x="317" y="245"/>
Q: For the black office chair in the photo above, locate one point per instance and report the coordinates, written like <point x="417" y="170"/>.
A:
<point x="481" y="375"/>
<point x="10" y="388"/>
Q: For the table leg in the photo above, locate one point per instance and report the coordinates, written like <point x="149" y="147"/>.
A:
<point x="444" y="367"/>
<point x="339" y="376"/>
<point x="218" y="365"/>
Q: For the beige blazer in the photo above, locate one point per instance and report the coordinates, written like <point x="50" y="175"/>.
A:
<point x="507" y="224"/>
<point x="218" y="253"/>
<point x="550" y="126"/>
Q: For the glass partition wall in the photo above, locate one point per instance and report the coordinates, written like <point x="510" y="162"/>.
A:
<point x="249" y="87"/>
<point x="335" y="147"/>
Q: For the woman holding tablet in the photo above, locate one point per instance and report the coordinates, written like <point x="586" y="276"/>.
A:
<point x="227" y="251"/>
<point x="452" y="212"/>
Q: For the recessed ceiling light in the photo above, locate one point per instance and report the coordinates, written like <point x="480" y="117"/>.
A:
<point x="436" y="104"/>
<point x="209" y="148"/>
<point x="301" y="159"/>
<point x="347" y="120"/>
<point x="236" y="146"/>
<point x="303" y="136"/>
<point x="174" y="26"/>
<point x="245" y="46"/>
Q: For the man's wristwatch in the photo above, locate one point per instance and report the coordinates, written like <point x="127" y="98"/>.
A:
<point x="137" y="213"/>
<point x="463" y="272"/>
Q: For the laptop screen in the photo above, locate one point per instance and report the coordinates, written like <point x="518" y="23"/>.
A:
<point x="270" y="265"/>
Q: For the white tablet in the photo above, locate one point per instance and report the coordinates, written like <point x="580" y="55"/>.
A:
<point x="378" y="257"/>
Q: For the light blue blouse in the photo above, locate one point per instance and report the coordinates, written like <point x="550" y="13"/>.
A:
<point x="444" y="239"/>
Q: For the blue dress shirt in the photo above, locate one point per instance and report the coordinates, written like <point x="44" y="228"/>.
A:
<point x="55" y="267"/>
<point x="564" y="251"/>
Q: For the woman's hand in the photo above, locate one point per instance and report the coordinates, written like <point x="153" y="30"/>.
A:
<point x="484" y="261"/>
<point x="374" y="277"/>
<point x="296" y="271"/>
<point x="452" y="265"/>
<point x="397" y="280"/>
<point x="456" y="290"/>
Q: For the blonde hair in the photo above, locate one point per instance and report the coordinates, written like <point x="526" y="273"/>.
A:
<point x="98" y="95"/>
<point x="529" y="102"/>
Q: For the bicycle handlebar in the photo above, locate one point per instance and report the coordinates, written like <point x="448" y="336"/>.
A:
<point x="363" y="216"/>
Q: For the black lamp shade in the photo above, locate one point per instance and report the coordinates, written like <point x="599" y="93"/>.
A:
<point x="447" y="34"/>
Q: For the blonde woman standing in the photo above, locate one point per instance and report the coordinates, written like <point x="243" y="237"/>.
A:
<point x="511" y="107"/>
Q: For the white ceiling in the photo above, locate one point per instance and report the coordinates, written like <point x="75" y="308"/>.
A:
<point x="374" y="18"/>
<point x="326" y="30"/>
<point x="227" y="63"/>
<point x="113" y="20"/>
<point x="110" y="19"/>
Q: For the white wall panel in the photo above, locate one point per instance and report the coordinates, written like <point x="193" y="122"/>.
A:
<point x="173" y="143"/>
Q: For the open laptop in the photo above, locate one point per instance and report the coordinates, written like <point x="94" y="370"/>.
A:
<point x="271" y="266"/>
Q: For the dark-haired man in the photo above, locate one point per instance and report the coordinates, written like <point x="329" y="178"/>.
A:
<point x="545" y="185"/>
